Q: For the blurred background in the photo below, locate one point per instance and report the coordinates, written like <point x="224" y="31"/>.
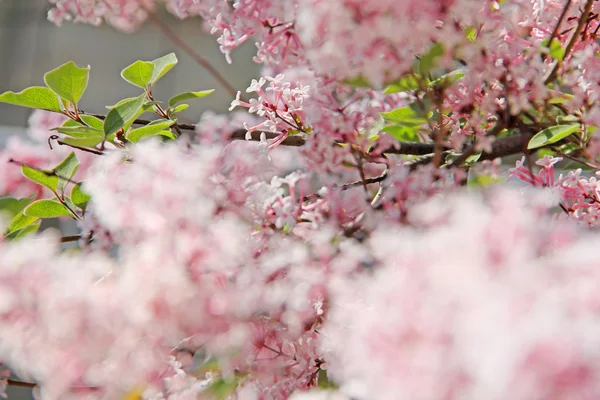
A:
<point x="30" y="46"/>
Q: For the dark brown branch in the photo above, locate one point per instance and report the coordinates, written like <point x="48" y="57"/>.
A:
<point x="12" y="382"/>
<point x="366" y="181"/>
<point x="203" y="62"/>
<point x="68" y="239"/>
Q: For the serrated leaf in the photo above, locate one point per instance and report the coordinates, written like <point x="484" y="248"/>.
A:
<point x="65" y="170"/>
<point x="79" y="131"/>
<point x="153" y="128"/>
<point x="402" y="133"/>
<point x="79" y="197"/>
<point x="139" y="73"/>
<point x="33" y="97"/>
<point x="46" y="209"/>
<point x="551" y="135"/>
<point x="162" y="65"/>
<point x="189" y="96"/>
<point x="44" y="178"/>
<point x="404" y="116"/>
<point x="11" y="206"/>
<point x="405" y="84"/>
<point x="68" y="81"/>
<point x="122" y="114"/>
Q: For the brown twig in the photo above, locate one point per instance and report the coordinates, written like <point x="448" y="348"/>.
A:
<point x="557" y="26"/>
<point x="12" y="382"/>
<point x="68" y="239"/>
<point x="580" y="24"/>
<point x="173" y="37"/>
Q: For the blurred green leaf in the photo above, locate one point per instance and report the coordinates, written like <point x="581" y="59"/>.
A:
<point x="551" y="135"/>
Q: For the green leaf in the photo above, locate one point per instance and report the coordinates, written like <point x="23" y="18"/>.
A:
<point x="221" y="389"/>
<point x="44" y="178"/>
<point x="123" y="113"/>
<point x="402" y="133"/>
<point x="324" y="382"/>
<point x="68" y="81"/>
<point x="153" y="128"/>
<point x="428" y="60"/>
<point x="31" y="228"/>
<point x="139" y="73"/>
<point x="89" y="121"/>
<point x="20" y="221"/>
<point x="483" y="181"/>
<point x="404" y="116"/>
<point x="472" y="159"/>
<point x="79" y="131"/>
<point x="406" y="84"/>
<point x="556" y="50"/>
<point x="91" y="142"/>
<point x="79" y="197"/>
<point x="357" y="81"/>
<point x="551" y="135"/>
<point x="65" y="170"/>
<point x="471" y="33"/>
<point x="189" y="96"/>
<point x="179" y="108"/>
<point x="162" y="65"/>
<point x="46" y="209"/>
<point x="559" y="97"/>
<point x="33" y="97"/>
<point x="448" y="79"/>
<point x="11" y="206"/>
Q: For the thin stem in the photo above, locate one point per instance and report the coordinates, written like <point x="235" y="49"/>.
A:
<point x="68" y="239"/>
<point x="558" y="24"/>
<point x="173" y="37"/>
<point x="582" y="22"/>
<point x="12" y="382"/>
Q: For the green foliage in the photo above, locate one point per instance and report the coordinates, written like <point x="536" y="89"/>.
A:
<point x="162" y="65"/>
<point x="79" y="197"/>
<point x="556" y="50"/>
<point x="139" y="73"/>
<point x="406" y="116"/>
<point x="46" y="209"/>
<point x="33" y="97"/>
<point x="179" y="108"/>
<point x="406" y="84"/>
<point x="30" y="228"/>
<point x="324" y="382"/>
<point x="68" y="81"/>
<point x="65" y="171"/>
<point x="471" y="33"/>
<point x="158" y="127"/>
<point x="483" y="181"/>
<point x="42" y="177"/>
<point x="448" y="79"/>
<point x="222" y="388"/>
<point x="472" y="159"/>
<point x="79" y="131"/>
<point x="552" y="135"/>
<point x="428" y="60"/>
<point x="10" y="206"/>
<point x="189" y="96"/>
<point x="123" y="113"/>
<point x="402" y="133"/>
<point x="20" y="221"/>
<point x="90" y="142"/>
